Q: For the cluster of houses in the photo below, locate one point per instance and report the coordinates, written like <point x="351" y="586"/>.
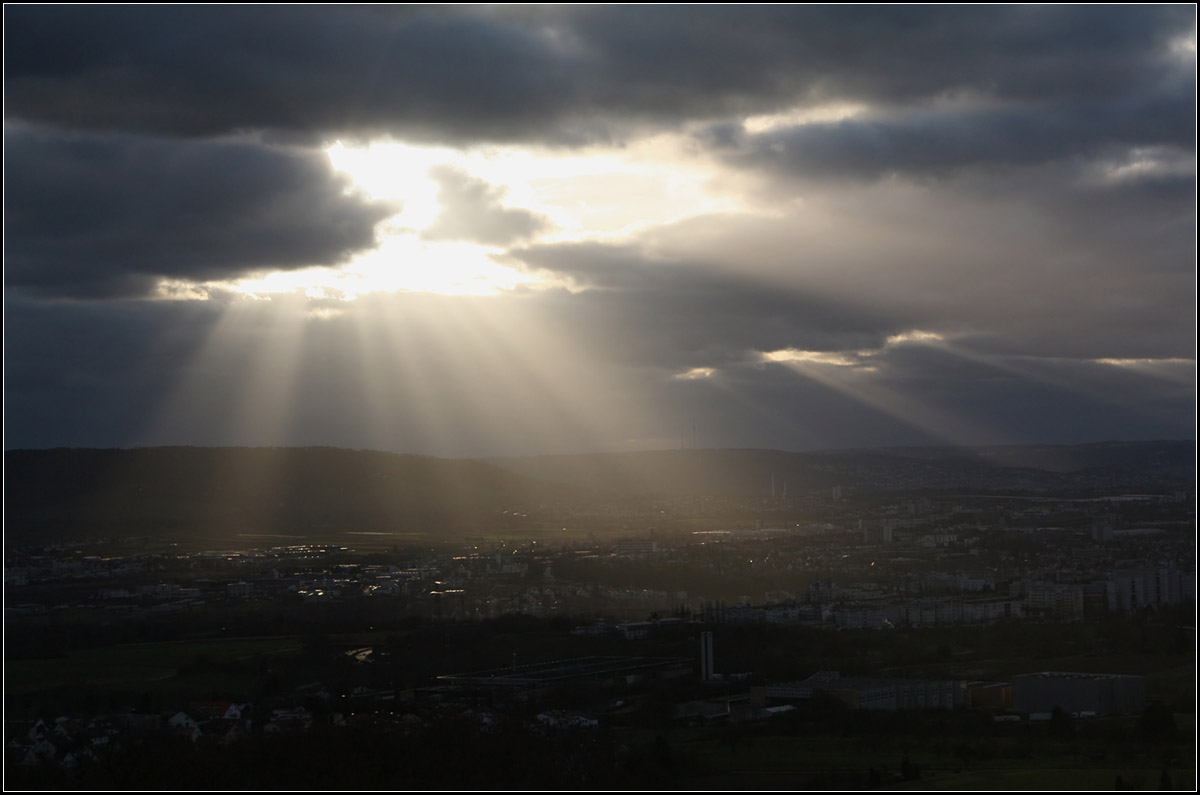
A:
<point x="68" y="742"/>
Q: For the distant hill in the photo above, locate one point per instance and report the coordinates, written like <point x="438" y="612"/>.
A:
<point x="218" y="492"/>
<point x="1170" y="464"/>
<point x="714" y="471"/>
<point x="1161" y="457"/>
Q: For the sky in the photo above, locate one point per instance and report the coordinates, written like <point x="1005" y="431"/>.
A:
<point x="509" y="230"/>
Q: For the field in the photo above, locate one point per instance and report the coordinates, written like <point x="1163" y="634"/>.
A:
<point x="1026" y="760"/>
<point x="172" y="672"/>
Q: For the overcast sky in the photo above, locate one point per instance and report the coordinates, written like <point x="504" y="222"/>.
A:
<point x="467" y="231"/>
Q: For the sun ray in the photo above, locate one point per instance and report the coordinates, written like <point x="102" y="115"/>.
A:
<point x="238" y="388"/>
<point x="786" y="425"/>
<point x="1081" y="376"/>
<point x="864" y="386"/>
<point x="553" y="399"/>
<point x="412" y="381"/>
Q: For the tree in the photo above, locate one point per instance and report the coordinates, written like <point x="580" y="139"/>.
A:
<point x="1061" y="724"/>
<point x="1157" y="721"/>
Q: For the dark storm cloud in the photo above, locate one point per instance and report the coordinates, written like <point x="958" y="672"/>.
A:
<point x="938" y="143"/>
<point x="208" y="71"/>
<point x="91" y="373"/>
<point x="90" y="216"/>
<point x="895" y="55"/>
<point x="472" y="210"/>
<point x="552" y="73"/>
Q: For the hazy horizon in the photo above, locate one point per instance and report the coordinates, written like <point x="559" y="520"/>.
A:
<point x="583" y="453"/>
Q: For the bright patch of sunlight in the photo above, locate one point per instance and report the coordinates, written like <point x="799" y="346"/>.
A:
<point x="315" y="283"/>
<point x="695" y="373"/>
<point x="1151" y="161"/>
<point x="1183" y="47"/>
<point x="816" y="357"/>
<point x="590" y="193"/>
<point x="849" y="358"/>
<point x="325" y="312"/>
<point x="838" y="111"/>
<point x="395" y="172"/>
<point x="180" y="290"/>
<point x="402" y="263"/>
<point x="405" y="263"/>
<point x="915" y="336"/>
<point x="1141" y="362"/>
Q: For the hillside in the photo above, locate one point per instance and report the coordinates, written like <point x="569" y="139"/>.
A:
<point x="219" y="492"/>
<point x="1132" y="465"/>
<point x="213" y="494"/>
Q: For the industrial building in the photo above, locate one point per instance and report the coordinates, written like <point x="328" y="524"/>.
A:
<point x="858" y="692"/>
<point x="611" y="671"/>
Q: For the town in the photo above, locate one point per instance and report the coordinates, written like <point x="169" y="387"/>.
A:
<point x="648" y="626"/>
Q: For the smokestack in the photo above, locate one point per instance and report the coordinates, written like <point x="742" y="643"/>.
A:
<point x="706" y="657"/>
